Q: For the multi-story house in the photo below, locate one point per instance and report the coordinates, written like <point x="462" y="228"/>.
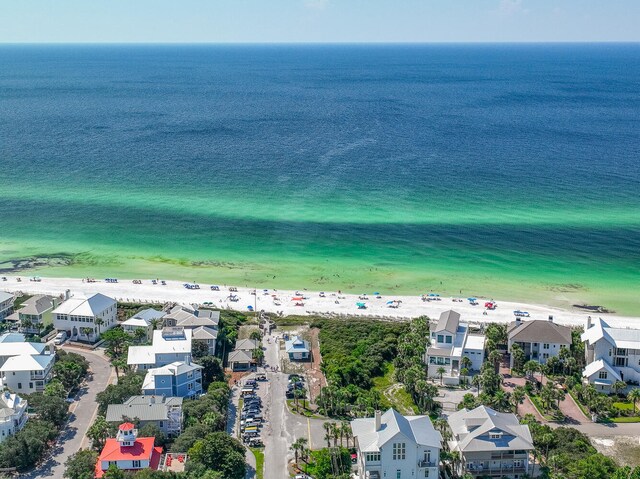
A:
<point x="450" y="342"/>
<point x="612" y="354"/>
<point x="202" y="322"/>
<point x="34" y="314"/>
<point x="539" y="339"/>
<point x="165" y="412"/>
<point x="13" y="414"/>
<point x="144" y="320"/>
<point x="128" y="452"/>
<point x="14" y="344"/>
<point x="27" y="373"/>
<point x="490" y="443"/>
<point x="168" y="345"/>
<point x="394" y="446"/>
<point x="6" y="304"/>
<point x="85" y="318"/>
<point x="176" y="379"/>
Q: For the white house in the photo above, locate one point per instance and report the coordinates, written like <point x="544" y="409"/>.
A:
<point x="14" y="344"/>
<point x="490" y="443"/>
<point x="450" y="342"/>
<point x="394" y="446"/>
<point x="168" y="345"/>
<point x="13" y="414"/>
<point x="86" y="318"/>
<point x="540" y="340"/>
<point x="143" y="320"/>
<point x="27" y="373"/>
<point x="128" y="452"/>
<point x="612" y="354"/>
<point x="6" y="304"/>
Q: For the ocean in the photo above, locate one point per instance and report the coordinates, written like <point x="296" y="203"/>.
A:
<point x="503" y="171"/>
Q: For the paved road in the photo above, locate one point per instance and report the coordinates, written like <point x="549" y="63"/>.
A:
<point x="83" y="412"/>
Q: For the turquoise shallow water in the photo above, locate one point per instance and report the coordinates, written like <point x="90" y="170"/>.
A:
<point x="506" y="171"/>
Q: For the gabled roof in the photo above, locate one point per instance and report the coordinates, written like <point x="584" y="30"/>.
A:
<point x="90" y="306"/>
<point x="4" y="296"/>
<point x="297" y="345"/>
<point x="240" y="356"/>
<point x="20" y="348"/>
<point x="599" y="365"/>
<point x="246" y="344"/>
<point x="539" y="331"/>
<point x="448" y="321"/>
<point x="27" y="362"/>
<point x="144" y="408"/>
<point x="10" y="405"/>
<point x="190" y="318"/>
<point x="149" y="315"/>
<point x="142" y="449"/>
<point x="37" y="305"/>
<point x="164" y="341"/>
<point x="136" y="322"/>
<point x="204" y="332"/>
<point x="12" y="338"/>
<point x="624" y="338"/>
<point x="417" y="429"/>
<point x="471" y="429"/>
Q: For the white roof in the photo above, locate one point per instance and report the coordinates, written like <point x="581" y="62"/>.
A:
<point x="5" y="296"/>
<point x="599" y="365"/>
<point x="27" y="362"/>
<point x="136" y="322"/>
<point x="417" y="429"/>
<point x="174" y="369"/>
<point x="623" y="338"/>
<point x="160" y="345"/>
<point x="475" y="342"/>
<point x="16" y="349"/>
<point x="296" y="345"/>
<point x="91" y="306"/>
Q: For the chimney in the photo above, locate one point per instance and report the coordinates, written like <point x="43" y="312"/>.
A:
<point x="67" y="294"/>
<point x="589" y="322"/>
<point x="518" y="321"/>
<point x="378" y="420"/>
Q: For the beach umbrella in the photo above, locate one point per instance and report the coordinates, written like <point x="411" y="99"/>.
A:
<point x="390" y="302"/>
<point x="471" y="299"/>
<point x="376" y="294"/>
<point x="360" y="305"/>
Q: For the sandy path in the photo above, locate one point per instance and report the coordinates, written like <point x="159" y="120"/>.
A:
<point x="343" y="304"/>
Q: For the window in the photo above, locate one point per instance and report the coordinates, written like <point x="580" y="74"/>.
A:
<point x="545" y="355"/>
<point x="426" y="473"/>
<point x="19" y="385"/>
<point x="161" y="425"/>
<point x="495" y="435"/>
<point x="398" y="474"/>
<point x="372" y="457"/>
<point x="517" y="463"/>
<point x="190" y="386"/>
<point x="30" y="385"/>
<point x="621" y="361"/>
<point x="427" y="456"/>
<point x="545" y="346"/>
<point x="602" y="375"/>
<point x="440" y="338"/>
<point x="448" y="339"/>
<point x="136" y="464"/>
<point x="399" y="451"/>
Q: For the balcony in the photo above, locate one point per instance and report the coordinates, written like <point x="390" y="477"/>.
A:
<point x="498" y="470"/>
<point x="424" y="463"/>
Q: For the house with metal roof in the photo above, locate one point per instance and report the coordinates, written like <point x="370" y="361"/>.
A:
<point x="391" y="445"/>
<point x="612" y="354"/>
<point x="144" y="320"/>
<point x="168" y="345"/>
<point x="179" y="379"/>
<point x="34" y="314"/>
<point x="6" y="304"/>
<point x="27" y="373"/>
<point x="203" y="323"/>
<point x="490" y="443"/>
<point x="450" y="341"/>
<point x="13" y="414"/>
<point x="165" y="412"/>
<point x="539" y="339"/>
<point x="297" y="348"/>
<point x="85" y="318"/>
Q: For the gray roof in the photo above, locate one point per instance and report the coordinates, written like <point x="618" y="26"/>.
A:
<point x="417" y="429"/>
<point x="448" y="321"/>
<point x="471" y="431"/>
<point x="144" y="408"/>
<point x="204" y="332"/>
<point x="4" y="296"/>
<point x="539" y="331"/>
<point x="240" y="356"/>
<point x="246" y="344"/>
<point x="37" y="304"/>
<point x="149" y="315"/>
<point x="191" y="318"/>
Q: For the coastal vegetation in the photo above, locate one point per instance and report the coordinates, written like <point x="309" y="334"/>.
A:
<point x="353" y="354"/>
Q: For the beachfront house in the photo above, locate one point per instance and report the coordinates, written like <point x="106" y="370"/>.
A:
<point x="241" y="358"/>
<point x="128" y="452"/>
<point x="297" y="349"/>
<point x="612" y="354"/>
<point x="168" y="345"/>
<point x="490" y="443"/>
<point x="144" y="320"/>
<point x="539" y="339"/>
<point x="13" y="414"/>
<point x="450" y="342"/>
<point x="202" y="322"/>
<point x="6" y="304"/>
<point x="34" y="314"/>
<point x="27" y="373"/>
<point x="165" y="412"/>
<point x="180" y="379"/>
<point x="391" y="445"/>
<point x="85" y="318"/>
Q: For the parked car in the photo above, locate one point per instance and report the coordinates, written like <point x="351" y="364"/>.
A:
<point x="261" y="377"/>
<point x="60" y="338"/>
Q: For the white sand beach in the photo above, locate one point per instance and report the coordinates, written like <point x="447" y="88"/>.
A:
<point x="284" y="302"/>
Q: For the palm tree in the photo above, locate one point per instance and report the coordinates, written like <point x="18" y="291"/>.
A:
<point x="464" y="372"/>
<point x="348" y="434"/>
<point x="477" y="382"/>
<point x="335" y="433"/>
<point x="344" y="427"/>
<point x="495" y="357"/>
<point x="298" y="447"/>
<point x="517" y="397"/>
<point x="327" y="430"/>
<point x="99" y="322"/>
<point x="441" y="372"/>
<point x="634" y="396"/>
<point x="26" y="324"/>
<point x="618" y="386"/>
<point x="531" y="367"/>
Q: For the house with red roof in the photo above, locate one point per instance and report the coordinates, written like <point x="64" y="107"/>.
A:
<point x="128" y="451"/>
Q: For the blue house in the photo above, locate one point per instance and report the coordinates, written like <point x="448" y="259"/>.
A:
<point x="177" y="379"/>
<point x="297" y="348"/>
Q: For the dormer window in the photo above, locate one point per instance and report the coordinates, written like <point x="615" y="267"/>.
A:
<point x="495" y="435"/>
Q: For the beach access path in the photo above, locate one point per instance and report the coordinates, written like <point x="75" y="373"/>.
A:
<point x="281" y="301"/>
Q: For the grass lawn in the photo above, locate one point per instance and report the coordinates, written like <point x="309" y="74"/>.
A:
<point x="393" y="393"/>
<point x="537" y="402"/>
<point x="20" y="300"/>
<point x="623" y="405"/>
<point x="626" y="419"/>
<point x="291" y="403"/>
<point x="258" y="452"/>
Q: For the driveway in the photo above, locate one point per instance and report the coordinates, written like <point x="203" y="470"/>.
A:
<point x="82" y="413"/>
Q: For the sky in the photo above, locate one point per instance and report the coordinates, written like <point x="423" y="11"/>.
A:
<point x="318" y="21"/>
